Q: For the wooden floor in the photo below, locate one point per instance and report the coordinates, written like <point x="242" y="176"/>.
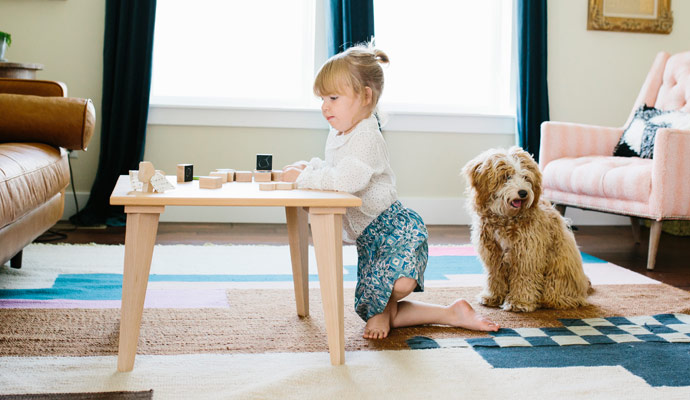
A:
<point x="610" y="243"/>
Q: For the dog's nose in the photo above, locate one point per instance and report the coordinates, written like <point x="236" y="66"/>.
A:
<point x="522" y="193"/>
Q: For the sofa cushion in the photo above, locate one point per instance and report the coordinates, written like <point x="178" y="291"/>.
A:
<point x="619" y="178"/>
<point x="30" y="174"/>
<point x="59" y="121"/>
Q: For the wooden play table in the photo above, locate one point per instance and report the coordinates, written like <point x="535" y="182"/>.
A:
<point x="323" y="209"/>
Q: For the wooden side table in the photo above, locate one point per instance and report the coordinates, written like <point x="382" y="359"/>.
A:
<point x="19" y="70"/>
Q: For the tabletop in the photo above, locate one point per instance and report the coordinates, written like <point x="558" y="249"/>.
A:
<point x="230" y="194"/>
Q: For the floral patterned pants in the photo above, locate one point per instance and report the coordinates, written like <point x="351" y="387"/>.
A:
<point x="394" y="245"/>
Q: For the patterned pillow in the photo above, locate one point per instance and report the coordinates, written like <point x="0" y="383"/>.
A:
<point x="638" y="137"/>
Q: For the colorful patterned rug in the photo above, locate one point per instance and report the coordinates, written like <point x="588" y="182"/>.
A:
<point x="213" y="305"/>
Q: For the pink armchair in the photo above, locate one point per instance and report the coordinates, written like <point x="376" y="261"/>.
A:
<point x="580" y="170"/>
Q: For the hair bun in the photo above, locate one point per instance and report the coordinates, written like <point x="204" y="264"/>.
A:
<point x="380" y="56"/>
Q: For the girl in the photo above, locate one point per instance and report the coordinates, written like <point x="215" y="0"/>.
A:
<point x="391" y="240"/>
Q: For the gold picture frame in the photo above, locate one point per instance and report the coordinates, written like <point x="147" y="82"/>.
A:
<point x="647" y="16"/>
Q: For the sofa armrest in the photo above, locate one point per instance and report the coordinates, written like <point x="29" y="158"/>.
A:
<point x="565" y="139"/>
<point x="33" y="87"/>
<point x="59" y="121"/>
<point x="671" y="173"/>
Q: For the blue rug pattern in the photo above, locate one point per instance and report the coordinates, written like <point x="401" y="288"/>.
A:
<point x="655" y="348"/>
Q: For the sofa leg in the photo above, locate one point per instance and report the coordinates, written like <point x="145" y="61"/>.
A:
<point x="635" y="229"/>
<point x="16" y="261"/>
<point x="654" y="235"/>
<point x="560" y="208"/>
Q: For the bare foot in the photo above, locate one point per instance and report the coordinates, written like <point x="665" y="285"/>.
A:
<point x="378" y="326"/>
<point x="466" y="317"/>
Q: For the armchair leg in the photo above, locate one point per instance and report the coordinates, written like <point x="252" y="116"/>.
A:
<point x="16" y="261"/>
<point x="560" y="208"/>
<point x="635" y="229"/>
<point x="654" y="235"/>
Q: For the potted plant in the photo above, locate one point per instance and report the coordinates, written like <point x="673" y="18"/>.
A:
<point x="5" y="42"/>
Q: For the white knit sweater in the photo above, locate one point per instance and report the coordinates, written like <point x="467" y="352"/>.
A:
<point x="356" y="163"/>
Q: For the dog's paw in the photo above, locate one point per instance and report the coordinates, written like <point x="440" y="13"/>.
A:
<point x="518" y="307"/>
<point x="489" y="300"/>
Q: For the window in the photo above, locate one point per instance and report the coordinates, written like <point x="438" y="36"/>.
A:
<point x="252" y="63"/>
<point x="257" y="53"/>
<point x="447" y="56"/>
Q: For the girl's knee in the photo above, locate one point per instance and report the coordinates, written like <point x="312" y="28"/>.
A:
<point x="404" y="286"/>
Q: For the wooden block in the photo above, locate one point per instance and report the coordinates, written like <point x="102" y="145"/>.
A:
<point x="267" y="186"/>
<point x="146" y="171"/>
<point x="185" y="172"/>
<point x="230" y="172"/>
<point x="210" y="182"/>
<point x="276" y="175"/>
<point x="286" y="185"/>
<point x="262" y="176"/>
<point x="222" y="175"/>
<point x="264" y="162"/>
<point x="243" y="176"/>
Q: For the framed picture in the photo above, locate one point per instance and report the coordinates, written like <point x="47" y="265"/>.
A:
<point x="648" y="16"/>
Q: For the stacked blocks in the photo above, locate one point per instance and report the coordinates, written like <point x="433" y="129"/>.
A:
<point x="269" y="179"/>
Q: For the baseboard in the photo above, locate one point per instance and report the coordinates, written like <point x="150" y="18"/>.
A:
<point x="434" y="211"/>
<point x="452" y="211"/>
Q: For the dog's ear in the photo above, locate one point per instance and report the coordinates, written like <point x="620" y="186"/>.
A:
<point x="534" y="176"/>
<point x="472" y="169"/>
<point x="517" y="151"/>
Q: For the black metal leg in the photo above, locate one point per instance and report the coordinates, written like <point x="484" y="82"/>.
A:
<point x="16" y="261"/>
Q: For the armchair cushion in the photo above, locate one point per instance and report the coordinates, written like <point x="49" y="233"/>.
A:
<point x="607" y="177"/>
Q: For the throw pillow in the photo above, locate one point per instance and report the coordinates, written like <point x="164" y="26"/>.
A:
<point x="638" y="138"/>
<point x="636" y="141"/>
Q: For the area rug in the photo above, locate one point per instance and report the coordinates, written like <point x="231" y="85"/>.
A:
<point x="224" y="319"/>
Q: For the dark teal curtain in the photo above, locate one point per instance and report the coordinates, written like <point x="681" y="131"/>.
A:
<point x="533" y="94"/>
<point x="127" y="58"/>
<point x="348" y="22"/>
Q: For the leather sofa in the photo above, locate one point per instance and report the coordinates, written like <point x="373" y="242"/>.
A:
<point x="38" y="124"/>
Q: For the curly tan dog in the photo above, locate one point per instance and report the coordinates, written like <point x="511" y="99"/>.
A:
<point x="527" y="248"/>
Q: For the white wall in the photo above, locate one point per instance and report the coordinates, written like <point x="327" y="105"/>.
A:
<point x="593" y="78"/>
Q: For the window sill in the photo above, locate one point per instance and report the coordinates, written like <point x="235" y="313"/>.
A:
<point x="307" y="118"/>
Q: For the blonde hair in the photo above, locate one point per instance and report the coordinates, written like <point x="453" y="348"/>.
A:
<point x="356" y="68"/>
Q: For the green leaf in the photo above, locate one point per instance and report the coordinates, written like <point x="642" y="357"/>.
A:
<point x="7" y="37"/>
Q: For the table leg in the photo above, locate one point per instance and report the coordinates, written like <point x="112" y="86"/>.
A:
<point x="140" y="236"/>
<point x="299" y="254"/>
<point x="326" y="228"/>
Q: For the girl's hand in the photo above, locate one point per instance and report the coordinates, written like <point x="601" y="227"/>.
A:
<point x="290" y="174"/>
<point x="299" y="165"/>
